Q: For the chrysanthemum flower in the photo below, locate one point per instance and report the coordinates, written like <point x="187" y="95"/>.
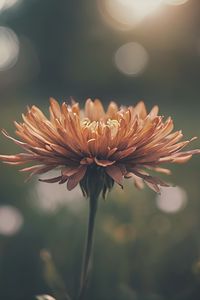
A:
<point x="97" y="148"/>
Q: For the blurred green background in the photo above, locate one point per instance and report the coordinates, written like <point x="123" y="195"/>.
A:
<point x="147" y="247"/>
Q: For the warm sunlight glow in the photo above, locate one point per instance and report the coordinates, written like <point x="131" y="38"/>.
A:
<point x="175" y="2"/>
<point x="127" y="13"/>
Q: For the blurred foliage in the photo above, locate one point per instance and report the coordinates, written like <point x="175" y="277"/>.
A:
<point x="141" y="252"/>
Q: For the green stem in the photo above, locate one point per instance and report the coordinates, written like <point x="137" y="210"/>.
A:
<point x="88" y="247"/>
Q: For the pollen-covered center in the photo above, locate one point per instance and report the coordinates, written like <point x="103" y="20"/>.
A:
<point x="99" y="126"/>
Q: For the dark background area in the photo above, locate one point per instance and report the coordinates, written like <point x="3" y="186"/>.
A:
<point x="147" y="247"/>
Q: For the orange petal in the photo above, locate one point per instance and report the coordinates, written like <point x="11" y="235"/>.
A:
<point x="76" y="178"/>
<point x="17" y="142"/>
<point x="153" y="186"/>
<point x="140" y="109"/>
<point x="55" y="107"/>
<point x="182" y="160"/>
<point x="162" y="170"/>
<point x="37" y="169"/>
<point x="154" y="112"/>
<point x="112" y="151"/>
<point x="139" y="184"/>
<point x="124" y="153"/>
<point x="112" y="109"/>
<point x="115" y="173"/>
<point x="69" y="171"/>
<point x="51" y="180"/>
<point x="10" y="158"/>
<point x="87" y="161"/>
<point x="103" y="163"/>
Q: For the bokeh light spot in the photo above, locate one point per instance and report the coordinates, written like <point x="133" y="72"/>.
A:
<point x="49" y="198"/>
<point x="131" y="59"/>
<point x="9" y="48"/>
<point x="2" y="2"/>
<point x="11" y="220"/>
<point x="171" y="199"/>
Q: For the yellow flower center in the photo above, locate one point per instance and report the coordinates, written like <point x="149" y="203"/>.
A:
<point x="93" y="126"/>
<point x="114" y="127"/>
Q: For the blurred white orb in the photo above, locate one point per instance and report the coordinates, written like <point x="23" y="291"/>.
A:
<point x="9" y="48"/>
<point x="131" y="59"/>
<point x="5" y="4"/>
<point x="171" y="199"/>
<point x="175" y="2"/>
<point x="11" y="220"/>
<point x="127" y="13"/>
<point x="2" y="2"/>
<point x="50" y="197"/>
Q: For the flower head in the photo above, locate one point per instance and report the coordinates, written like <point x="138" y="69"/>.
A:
<point x="97" y="148"/>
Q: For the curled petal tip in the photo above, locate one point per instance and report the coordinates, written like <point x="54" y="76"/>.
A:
<point x="103" y="163"/>
<point x="194" y="138"/>
<point x="182" y="160"/>
<point x="4" y="132"/>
